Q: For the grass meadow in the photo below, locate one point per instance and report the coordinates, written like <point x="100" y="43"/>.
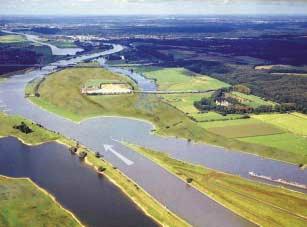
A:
<point x="251" y="100"/>
<point x="23" y="204"/>
<point x="246" y="130"/>
<point x="295" y="123"/>
<point x="180" y="79"/>
<point x="284" y="141"/>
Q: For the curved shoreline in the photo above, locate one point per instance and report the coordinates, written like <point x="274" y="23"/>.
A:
<point x="154" y="127"/>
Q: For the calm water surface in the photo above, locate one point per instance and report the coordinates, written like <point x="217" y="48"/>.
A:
<point x="93" y="199"/>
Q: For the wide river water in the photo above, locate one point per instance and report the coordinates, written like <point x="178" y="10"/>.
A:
<point x="92" y="198"/>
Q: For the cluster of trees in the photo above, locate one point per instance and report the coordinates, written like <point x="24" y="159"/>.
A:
<point x="284" y="89"/>
<point x="209" y="104"/>
<point x="23" y="128"/>
<point x="223" y="104"/>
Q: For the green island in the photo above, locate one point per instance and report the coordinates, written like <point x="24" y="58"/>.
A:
<point x="176" y="114"/>
<point x="147" y="203"/>
<point x="263" y="204"/>
<point x="22" y="203"/>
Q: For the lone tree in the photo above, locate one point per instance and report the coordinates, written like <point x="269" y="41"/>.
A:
<point x="189" y="180"/>
<point x="101" y="169"/>
<point x="23" y="128"/>
<point x="97" y="154"/>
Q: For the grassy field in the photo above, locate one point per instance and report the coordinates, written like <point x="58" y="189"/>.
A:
<point x="39" y="135"/>
<point x="263" y="204"/>
<point x="12" y="39"/>
<point x="148" y="204"/>
<point x="185" y="103"/>
<point x="297" y="145"/>
<point x="251" y="100"/>
<point x="295" y="123"/>
<point x="214" y="116"/>
<point x="215" y="124"/>
<point x="23" y="204"/>
<point x="292" y="148"/>
<point x="246" y="130"/>
<point x="179" y="79"/>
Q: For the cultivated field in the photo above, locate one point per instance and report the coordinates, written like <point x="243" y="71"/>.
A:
<point x="251" y="100"/>
<point x="294" y="123"/>
<point x="215" y="124"/>
<point x="286" y="141"/>
<point x="179" y="79"/>
<point x="214" y="116"/>
<point x="246" y="130"/>
<point x="265" y="133"/>
<point x="185" y="103"/>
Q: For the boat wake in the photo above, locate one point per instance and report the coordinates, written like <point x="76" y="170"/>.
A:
<point x="281" y="181"/>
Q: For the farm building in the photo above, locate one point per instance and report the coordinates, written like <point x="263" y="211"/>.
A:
<point x="106" y="87"/>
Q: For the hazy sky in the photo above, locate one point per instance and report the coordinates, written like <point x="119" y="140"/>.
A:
<point x="107" y="7"/>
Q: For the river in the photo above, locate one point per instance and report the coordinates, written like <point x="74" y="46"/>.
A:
<point x="54" y="49"/>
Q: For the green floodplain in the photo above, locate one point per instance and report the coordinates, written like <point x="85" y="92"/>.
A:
<point x="175" y="114"/>
<point x="37" y="206"/>
<point x="22" y="203"/>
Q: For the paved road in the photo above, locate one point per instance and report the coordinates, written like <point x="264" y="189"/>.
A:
<point x="187" y="202"/>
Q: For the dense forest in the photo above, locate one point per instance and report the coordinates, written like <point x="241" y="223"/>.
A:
<point x="16" y="57"/>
